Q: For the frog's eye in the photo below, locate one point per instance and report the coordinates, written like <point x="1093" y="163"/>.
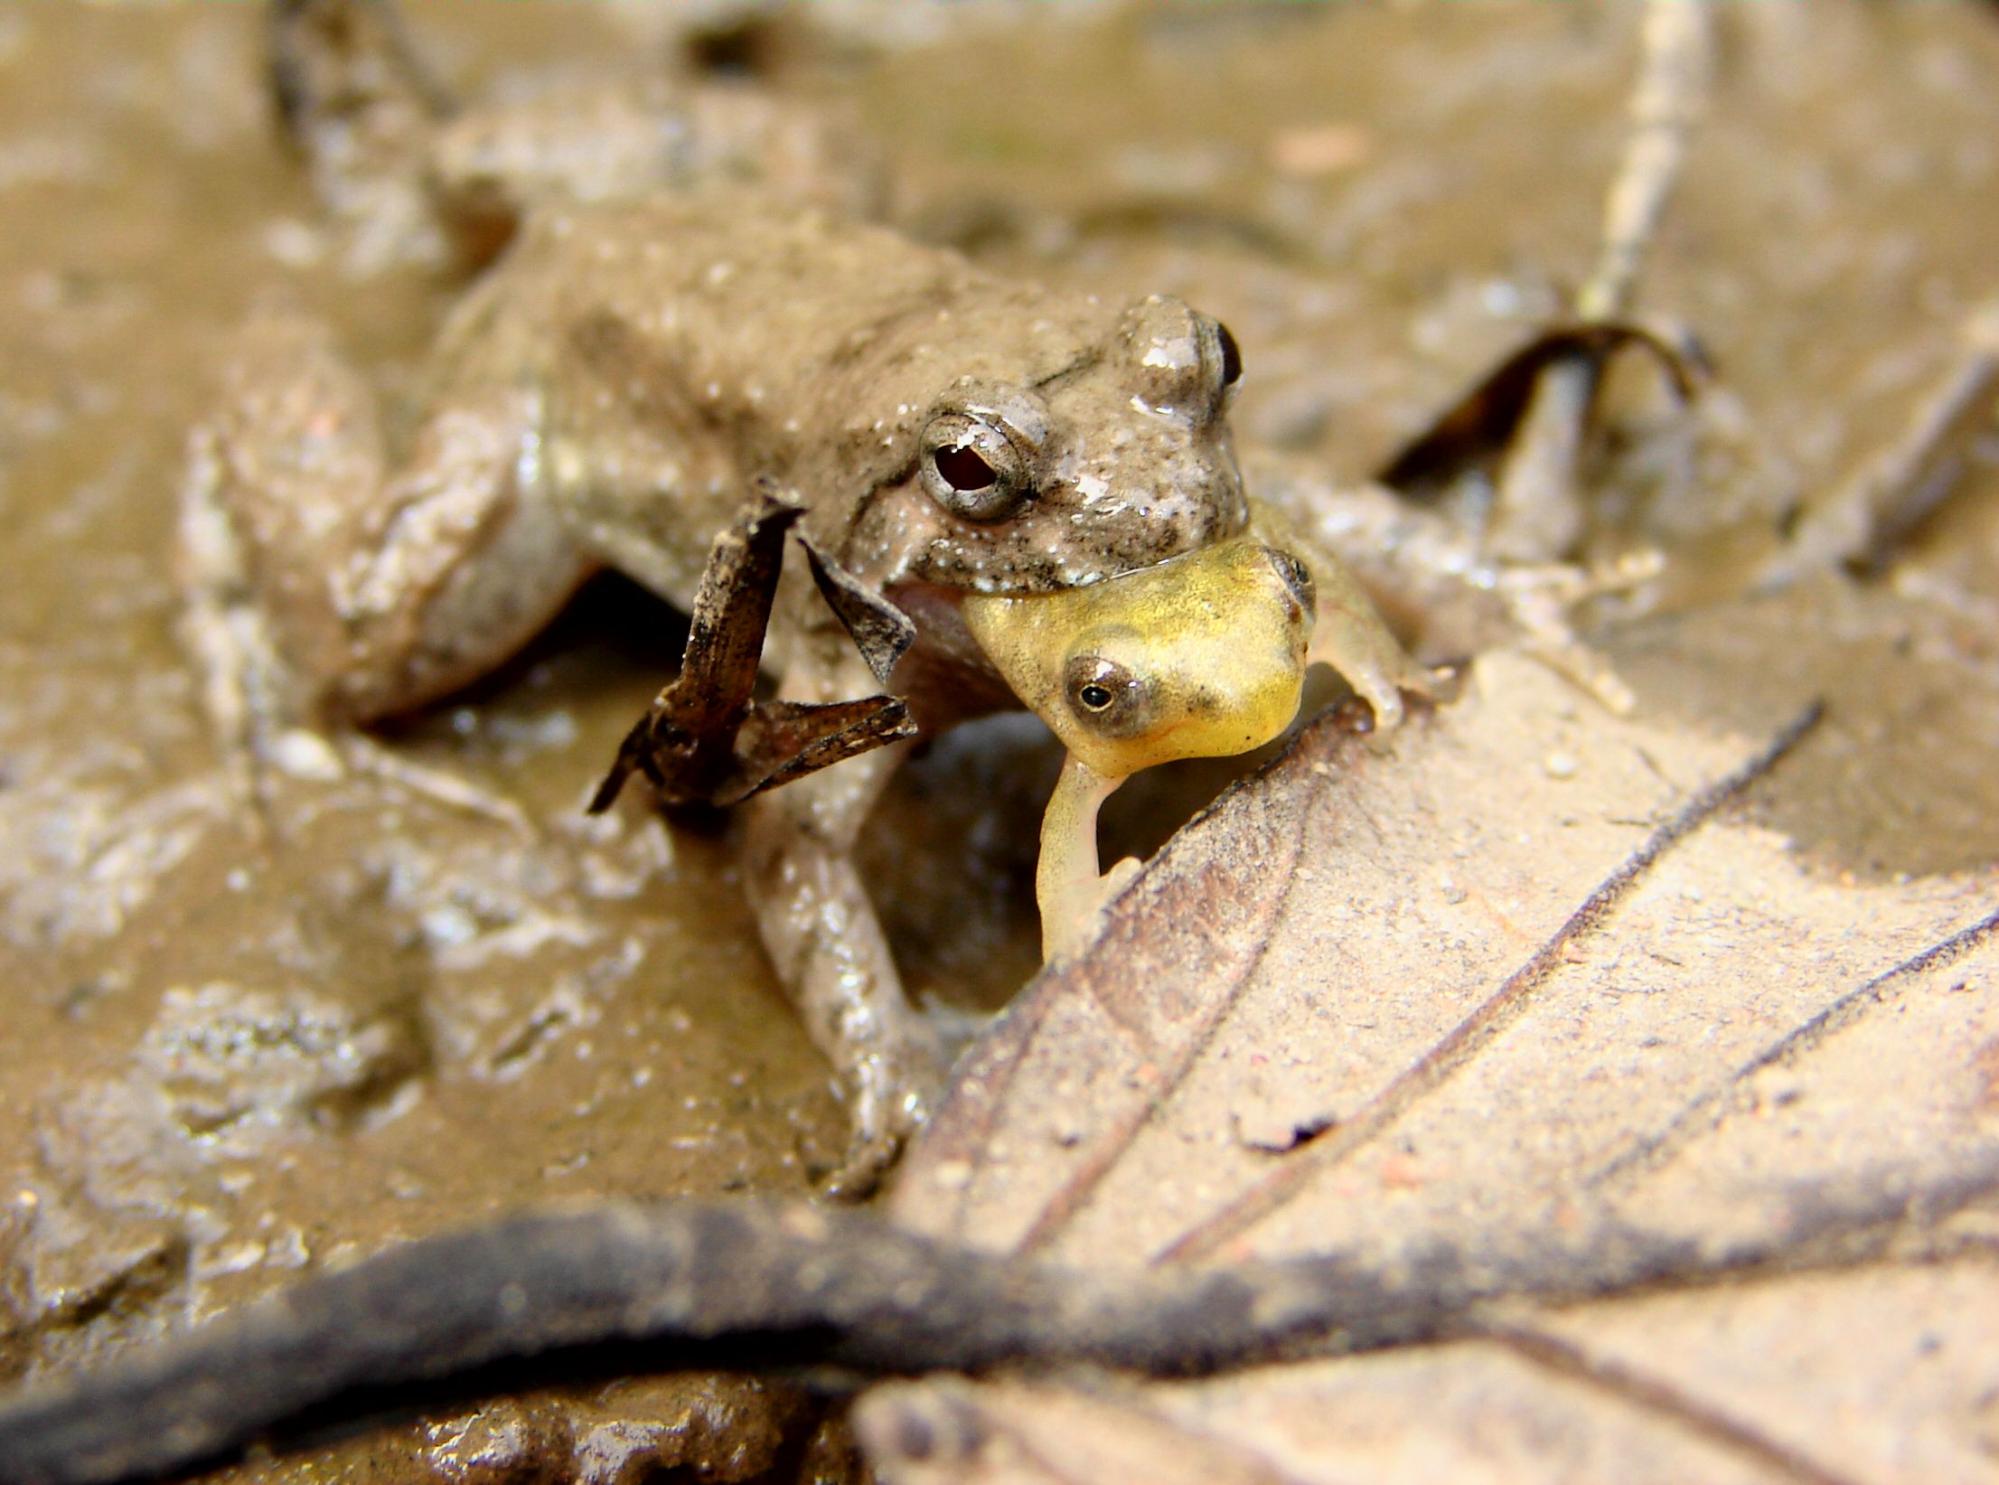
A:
<point x="972" y="468"/>
<point x="1230" y="355"/>
<point x="1221" y="358"/>
<point x="1106" y="697"/>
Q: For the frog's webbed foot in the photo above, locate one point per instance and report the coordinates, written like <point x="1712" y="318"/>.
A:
<point x="706" y="739"/>
<point x="891" y="1093"/>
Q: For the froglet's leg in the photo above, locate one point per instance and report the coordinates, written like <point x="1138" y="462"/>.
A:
<point x="1539" y="601"/>
<point x="1427" y="574"/>
<point x="1349" y="633"/>
<point x="1067" y="883"/>
<point x="823" y="937"/>
<point x="1350" y="636"/>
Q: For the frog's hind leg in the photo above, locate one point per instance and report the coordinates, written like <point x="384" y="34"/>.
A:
<point x="326" y="586"/>
<point x="827" y="945"/>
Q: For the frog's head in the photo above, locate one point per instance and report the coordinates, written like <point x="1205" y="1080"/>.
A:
<point x="1109" y="453"/>
<point x="1200" y="656"/>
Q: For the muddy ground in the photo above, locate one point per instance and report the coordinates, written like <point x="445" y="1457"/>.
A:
<point x="230" y="1053"/>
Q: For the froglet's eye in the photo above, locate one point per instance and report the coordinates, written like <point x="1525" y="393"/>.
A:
<point x="973" y="468"/>
<point x="1298" y="579"/>
<point x="1107" y="697"/>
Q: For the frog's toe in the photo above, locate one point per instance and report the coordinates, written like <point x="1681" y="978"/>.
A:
<point x="1111" y="887"/>
<point x="880" y="1132"/>
<point x="891" y="1097"/>
<point x="1539" y="600"/>
<point x="1590" y="671"/>
<point x="1388" y="708"/>
<point x="862" y="1169"/>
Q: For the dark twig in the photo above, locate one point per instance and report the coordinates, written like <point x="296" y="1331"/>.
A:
<point x="706" y="739"/>
<point x="795" y="1286"/>
<point x="1488" y="416"/>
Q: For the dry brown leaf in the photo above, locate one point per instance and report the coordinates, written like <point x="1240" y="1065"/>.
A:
<point x="1525" y="977"/>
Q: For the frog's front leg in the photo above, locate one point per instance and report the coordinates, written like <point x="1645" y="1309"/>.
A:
<point x="330" y="583"/>
<point x="823" y="937"/>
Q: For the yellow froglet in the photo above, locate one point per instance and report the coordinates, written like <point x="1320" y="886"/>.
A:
<point x="1200" y="656"/>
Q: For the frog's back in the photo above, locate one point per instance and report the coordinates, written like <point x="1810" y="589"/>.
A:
<point x="695" y="343"/>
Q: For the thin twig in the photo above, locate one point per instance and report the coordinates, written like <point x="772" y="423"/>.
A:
<point x="1865" y="521"/>
<point x="1456" y="1049"/>
<point x="1537" y="514"/>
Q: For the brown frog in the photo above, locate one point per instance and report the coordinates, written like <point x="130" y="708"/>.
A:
<point x="612" y="394"/>
<point x="633" y="377"/>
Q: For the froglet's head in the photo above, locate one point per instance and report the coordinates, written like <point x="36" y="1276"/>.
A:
<point x="1199" y="656"/>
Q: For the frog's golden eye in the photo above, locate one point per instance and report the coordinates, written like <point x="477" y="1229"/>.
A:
<point x="1221" y="362"/>
<point x="1106" y="697"/>
<point x="972" y="468"/>
<point x="1231" y="356"/>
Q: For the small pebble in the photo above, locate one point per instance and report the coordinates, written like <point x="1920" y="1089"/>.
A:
<point x="306" y="755"/>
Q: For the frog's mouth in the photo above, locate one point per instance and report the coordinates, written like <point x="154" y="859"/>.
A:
<point x="946" y="676"/>
<point x="1202" y="655"/>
